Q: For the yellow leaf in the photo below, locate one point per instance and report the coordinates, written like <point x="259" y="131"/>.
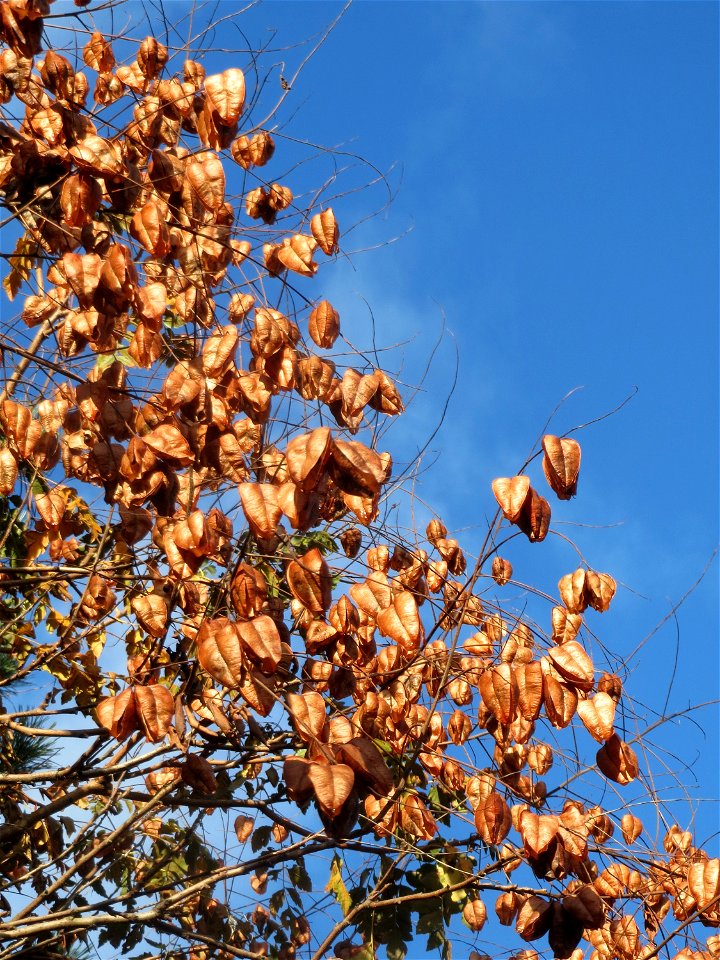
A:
<point x="96" y="643"/>
<point x="336" y="886"/>
<point x="21" y="263"/>
<point x="56" y="621"/>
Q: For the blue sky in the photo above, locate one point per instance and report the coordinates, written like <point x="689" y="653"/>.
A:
<point x="556" y="200"/>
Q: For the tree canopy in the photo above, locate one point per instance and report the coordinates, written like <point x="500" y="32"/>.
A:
<point x="272" y="721"/>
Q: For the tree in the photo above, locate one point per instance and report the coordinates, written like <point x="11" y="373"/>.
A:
<point x="282" y="726"/>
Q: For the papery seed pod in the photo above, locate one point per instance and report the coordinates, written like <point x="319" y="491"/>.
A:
<point x="459" y="727"/>
<point x="540" y="758"/>
<point x="475" y="914"/>
<point x="560" y="701"/>
<point x="295" y="253"/>
<point x="436" y="530"/>
<point x="617" y="761"/>
<point x="240" y="306"/>
<point x="632" y="828"/>
<point x="561" y="465"/>
<point x="197" y="773"/>
<point x="119" y="714"/>
<point x="534" y="918"/>
<point x="572" y="591"/>
<point x="598" y="716"/>
<point x="324" y="325"/>
<point x="534" y="518"/>
<point x="332" y="784"/>
<point x="529" y="679"/>
<point x="599" y="590"/>
<point x="492" y="819"/>
<point x="506" y="907"/>
<point x="565" y="625"/>
<point x="151" y="57"/>
<point x="155" y="708"/>
<point x="8" y="472"/>
<point x="225" y="93"/>
<point x="97" y="54"/>
<point x="573" y="663"/>
<point x="244" y="827"/>
<point x="611" y="684"/>
<point x="309" y="580"/>
<point x="254" y="151"/>
<point x="152" y="613"/>
<point x="502" y="571"/>
<point x="704" y="882"/>
<point x="498" y="688"/>
<point x="220" y="651"/>
<point x="325" y="230"/>
<point x="511" y="494"/>
<point x="351" y="541"/>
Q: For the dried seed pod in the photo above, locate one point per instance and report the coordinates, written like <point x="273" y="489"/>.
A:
<point x="511" y="494"/>
<point x="325" y="230"/>
<point x="8" y="471"/>
<point x="561" y="465"/>
<point x="617" y="761"/>
<point x="253" y="151"/>
<point x="324" y="324"/>
<point x="502" y="571"/>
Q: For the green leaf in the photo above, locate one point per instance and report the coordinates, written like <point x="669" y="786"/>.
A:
<point x="314" y="538"/>
<point x="114" y="934"/>
<point x="295" y="897"/>
<point x="396" y="949"/>
<point x="260" y="838"/>
<point x="336" y="886"/>
<point x="299" y="877"/>
<point x="276" y="901"/>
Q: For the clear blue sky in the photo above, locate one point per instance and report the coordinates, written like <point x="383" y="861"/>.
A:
<point x="557" y="174"/>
